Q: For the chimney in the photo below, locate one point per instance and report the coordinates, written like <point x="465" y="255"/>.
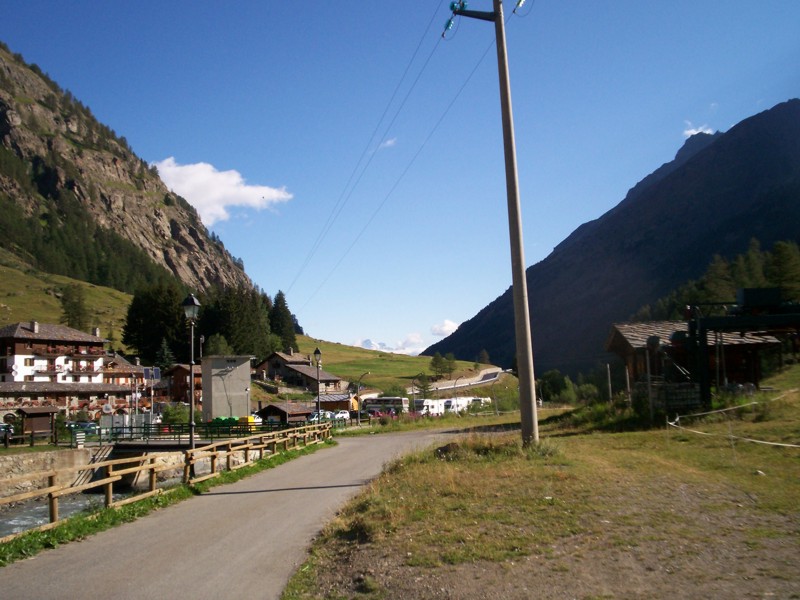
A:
<point x="35" y="326"/>
<point x="291" y="351"/>
<point x="138" y="362"/>
<point x="96" y="332"/>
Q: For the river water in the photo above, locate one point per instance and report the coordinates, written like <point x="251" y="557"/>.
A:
<point x="30" y="514"/>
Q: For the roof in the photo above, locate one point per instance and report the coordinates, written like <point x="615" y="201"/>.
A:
<point x="635" y="335"/>
<point x="183" y="367"/>
<point x="116" y="363"/>
<point x="62" y="389"/>
<point x="31" y="411"/>
<point x="47" y="332"/>
<point x="293" y="358"/>
<point x="333" y="398"/>
<point x="311" y="372"/>
<point x="289" y="408"/>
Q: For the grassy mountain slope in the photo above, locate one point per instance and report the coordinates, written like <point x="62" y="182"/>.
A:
<point x="27" y="294"/>
<point x="386" y="369"/>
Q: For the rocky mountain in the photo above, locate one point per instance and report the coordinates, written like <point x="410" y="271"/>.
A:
<point x="719" y="193"/>
<point x="59" y="165"/>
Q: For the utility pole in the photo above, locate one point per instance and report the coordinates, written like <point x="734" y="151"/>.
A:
<point x="522" y="323"/>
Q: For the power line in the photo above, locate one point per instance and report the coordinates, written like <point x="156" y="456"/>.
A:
<point x="345" y="195"/>
<point x="402" y="175"/>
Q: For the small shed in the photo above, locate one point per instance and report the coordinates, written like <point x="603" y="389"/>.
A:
<point x="334" y="402"/>
<point x="37" y="419"/>
<point x="288" y="413"/>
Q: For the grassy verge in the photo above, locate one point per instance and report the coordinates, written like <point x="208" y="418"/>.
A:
<point x="484" y="499"/>
<point x="83" y="525"/>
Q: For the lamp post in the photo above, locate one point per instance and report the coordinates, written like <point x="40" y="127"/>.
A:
<point x="318" y="360"/>
<point x="455" y="383"/>
<point x="358" y="397"/>
<point x="414" y="390"/>
<point x="191" y="307"/>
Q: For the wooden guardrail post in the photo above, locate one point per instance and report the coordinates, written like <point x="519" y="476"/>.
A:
<point x="52" y="500"/>
<point x="187" y="467"/>
<point x="152" y="474"/>
<point x="109" y="487"/>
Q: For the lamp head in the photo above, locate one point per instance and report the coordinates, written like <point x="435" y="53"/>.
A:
<point x="318" y="355"/>
<point x="191" y="307"/>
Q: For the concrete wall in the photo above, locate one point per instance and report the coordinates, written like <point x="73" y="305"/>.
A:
<point x="18" y="465"/>
<point x="226" y="386"/>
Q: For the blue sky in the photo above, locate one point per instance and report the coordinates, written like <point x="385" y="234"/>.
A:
<point x="352" y="158"/>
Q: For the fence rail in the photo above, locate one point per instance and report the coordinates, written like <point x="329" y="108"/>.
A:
<point x="54" y="484"/>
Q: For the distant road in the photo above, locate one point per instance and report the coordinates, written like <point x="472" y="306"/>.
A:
<point x="485" y="376"/>
<point x="242" y="540"/>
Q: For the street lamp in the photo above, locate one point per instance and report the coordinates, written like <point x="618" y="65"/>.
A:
<point x="414" y="390"/>
<point x="318" y="360"/>
<point x="358" y="398"/>
<point x="455" y="383"/>
<point x="191" y="308"/>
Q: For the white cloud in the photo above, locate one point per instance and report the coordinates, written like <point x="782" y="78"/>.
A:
<point x="692" y="130"/>
<point x="391" y="143"/>
<point x="444" y="328"/>
<point x="412" y="345"/>
<point x="213" y="192"/>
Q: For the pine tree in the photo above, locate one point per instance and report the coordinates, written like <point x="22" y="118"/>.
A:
<point x="155" y="313"/>
<point x="282" y="324"/>
<point x="784" y="270"/>
<point x="73" y="307"/>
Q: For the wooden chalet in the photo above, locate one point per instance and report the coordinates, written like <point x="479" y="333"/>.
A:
<point x="287" y="413"/>
<point x="295" y="369"/>
<point x="663" y="343"/>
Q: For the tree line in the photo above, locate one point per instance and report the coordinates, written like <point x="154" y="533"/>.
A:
<point x="756" y="268"/>
<point x="233" y="321"/>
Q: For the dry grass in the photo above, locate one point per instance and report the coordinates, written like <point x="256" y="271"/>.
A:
<point x="580" y="503"/>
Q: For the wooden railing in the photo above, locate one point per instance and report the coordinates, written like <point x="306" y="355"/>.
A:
<point x="252" y="448"/>
<point x="55" y="484"/>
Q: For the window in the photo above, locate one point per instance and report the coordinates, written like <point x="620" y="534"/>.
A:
<point x="28" y="362"/>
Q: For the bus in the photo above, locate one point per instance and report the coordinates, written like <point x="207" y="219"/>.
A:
<point x="387" y="404"/>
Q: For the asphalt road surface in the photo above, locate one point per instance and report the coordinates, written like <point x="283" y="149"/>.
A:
<point x="242" y="540"/>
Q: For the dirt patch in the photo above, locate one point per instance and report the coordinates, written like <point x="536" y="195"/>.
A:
<point x="669" y="535"/>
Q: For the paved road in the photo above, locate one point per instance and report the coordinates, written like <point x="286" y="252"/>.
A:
<point x="242" y="540"/>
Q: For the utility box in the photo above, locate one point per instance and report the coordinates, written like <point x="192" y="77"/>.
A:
<point x="226" y="387"/>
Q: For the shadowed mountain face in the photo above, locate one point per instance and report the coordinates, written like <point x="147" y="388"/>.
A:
<point x="721" y="191"/>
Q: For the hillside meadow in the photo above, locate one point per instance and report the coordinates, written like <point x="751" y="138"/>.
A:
<point x="385" y="369"/>
<point x="28" y="294"/>
<point x="705" y="509"/>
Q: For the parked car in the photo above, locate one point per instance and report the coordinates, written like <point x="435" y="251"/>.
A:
<point x="326" y="416"/>
<point x="88" y="427"/>
<point x="342" y="414"/>
<point x="6" y="427"/>
<point x="374" y="412"/>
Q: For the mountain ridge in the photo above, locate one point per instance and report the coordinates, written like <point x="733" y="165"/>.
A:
<point x="716" y="195"/>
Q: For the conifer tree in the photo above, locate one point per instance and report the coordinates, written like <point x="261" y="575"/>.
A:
<point x="282" y="323"/>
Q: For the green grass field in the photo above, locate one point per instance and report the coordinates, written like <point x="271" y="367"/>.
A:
<point x="581" y="503"/>
<point x="30" y="295"/>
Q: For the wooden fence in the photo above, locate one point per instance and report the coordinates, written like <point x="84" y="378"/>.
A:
<point x="54" y="484"/>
